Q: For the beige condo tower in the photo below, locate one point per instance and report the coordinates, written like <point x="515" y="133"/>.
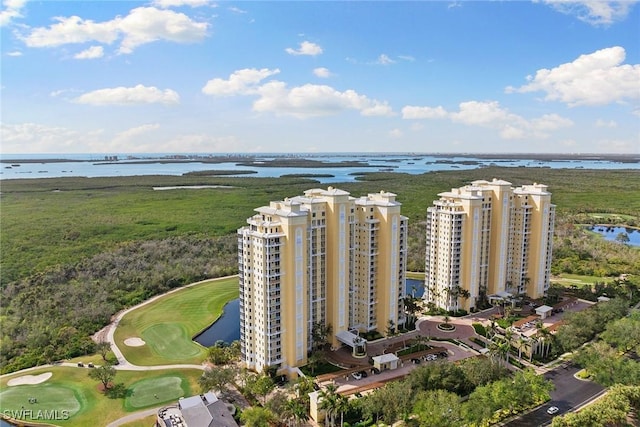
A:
<point x="323" y="258"/>
<point x="487" y="240"/>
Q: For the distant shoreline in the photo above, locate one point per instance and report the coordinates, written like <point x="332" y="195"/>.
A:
<point x="305" y="160"/>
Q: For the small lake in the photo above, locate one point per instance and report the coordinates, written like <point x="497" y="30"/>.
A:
<point x="610" y="233"/>
<point x="227" y="327"/>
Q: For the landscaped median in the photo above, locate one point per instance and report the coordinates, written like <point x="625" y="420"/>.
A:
<point x="68" y="397"/>
<point x="163" y="329"/>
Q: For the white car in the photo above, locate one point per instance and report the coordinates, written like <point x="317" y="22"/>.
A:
<point x="356" y="375"/>
<point x="552" y="410"/>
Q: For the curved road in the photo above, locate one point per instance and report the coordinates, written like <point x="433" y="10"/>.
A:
<point x="570" y="394"/>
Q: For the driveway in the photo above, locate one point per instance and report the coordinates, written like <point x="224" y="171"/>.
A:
<point x="570" y="394"/>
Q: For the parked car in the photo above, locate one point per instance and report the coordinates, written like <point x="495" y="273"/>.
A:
<point x="90" y="365"/>
<point x="80" y="365"/>
<point x="363" y="373"/>
<point x="416" y="361"/>
<point x="552" y="410"/>
<point x="356" y="375"/>
<point x="375" y="370"/>
<point x="444" y="354"/>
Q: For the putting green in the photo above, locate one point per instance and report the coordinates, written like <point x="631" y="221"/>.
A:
<point x="168" y="324"/>
<point x="53" y="402"/>
<point x="167" y="340"/>
<point x="154" y="391"/>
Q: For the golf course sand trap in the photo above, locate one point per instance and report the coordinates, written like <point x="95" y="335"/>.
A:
<point x="29" y="379"/>
<point x="134" y="342"/>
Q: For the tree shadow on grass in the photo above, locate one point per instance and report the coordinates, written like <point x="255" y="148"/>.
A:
<point x="118" y="391"/>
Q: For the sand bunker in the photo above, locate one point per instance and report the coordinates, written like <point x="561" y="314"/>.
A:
<point x="29" y="379"/>
<point x="134" y="342"/>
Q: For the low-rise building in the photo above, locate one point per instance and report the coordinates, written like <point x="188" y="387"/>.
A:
<point x="204" y="410"/>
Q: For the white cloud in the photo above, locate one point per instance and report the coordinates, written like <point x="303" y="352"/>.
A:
<point x="124" y="139"/>
<point x="412" y="112"/>
<point x="237" y="10"/>
<point x="322" y="72"/>
<point x="302" y="101"/>
<point x="12" y="9"/>
<point x="37" y="138"/>
<point x="594" y="79"/>
<point x="549" y="122"/>
<point x="604" y="124"/>
<point x="14" y="53"/>
<point x="129" y="96"/>
<point x="594" y="12"/>
<point x="407" y="58"/>
<point x="384" y="60"/>
<point x="90" y="53"/>
<point x="306" y="48"/>
<point x="491" y="115"/>
<point x="315" y="100"/>
<point x="482" y="113"/>
<point x="396" y="133"/>
<point x="164" y="4"/>
<point x="147" y="24"/>
<point x="241" y="82"/>
<point x="618" y="146"/>
<point x="195" y="143"/>
<point x="142" y="25"/>
<point x="73" y="30"/>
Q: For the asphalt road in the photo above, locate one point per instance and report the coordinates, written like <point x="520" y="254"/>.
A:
<point x="570" y="393"/>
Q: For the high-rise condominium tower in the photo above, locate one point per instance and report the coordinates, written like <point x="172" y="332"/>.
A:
<point x="323" y="258"/>
<point x="485" y="239"/>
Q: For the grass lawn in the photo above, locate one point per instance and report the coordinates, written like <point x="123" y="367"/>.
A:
<point x="72" y="390"/>
<point x="50" y="397"/>
<point x="144" y="422"/>
<point x="415" y="275"/>
<point x="148" y="392"/>
<point x="579" y="281"/>
<point x="609" y="216"/>
<point x="168" y="324"/>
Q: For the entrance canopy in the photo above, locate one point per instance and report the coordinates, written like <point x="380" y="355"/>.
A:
<point x="350" y="339"/>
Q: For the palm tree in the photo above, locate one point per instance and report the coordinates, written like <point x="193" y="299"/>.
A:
<point x="295" y="411"/>
<point x="411" y="307"/>
<point x="329" y="402"/>
<point x="342" y="406"/>
<point x="499" y="350"/>
<point x="465" y="294"/>
<point x="522" y="341"/>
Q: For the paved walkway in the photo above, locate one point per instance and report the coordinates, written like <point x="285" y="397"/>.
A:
<point x="135" y="416"/>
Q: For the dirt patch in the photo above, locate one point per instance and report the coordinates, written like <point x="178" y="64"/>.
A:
<point x="29" y="379"/>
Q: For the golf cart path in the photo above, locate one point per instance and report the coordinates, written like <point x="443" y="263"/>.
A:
<point x="107" y="334"/>
<point x="134" y="416"/>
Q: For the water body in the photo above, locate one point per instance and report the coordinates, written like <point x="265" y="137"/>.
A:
<point x="226" y="328"/>
<point x="610" y="233"/>
<point x="414" y="287"/>
<point x="92" y="166"/>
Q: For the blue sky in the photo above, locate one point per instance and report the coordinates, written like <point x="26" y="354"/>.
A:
<point x="270" y="76"/>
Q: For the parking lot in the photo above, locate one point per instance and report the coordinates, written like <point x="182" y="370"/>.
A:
<point x="348" y="384"/>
